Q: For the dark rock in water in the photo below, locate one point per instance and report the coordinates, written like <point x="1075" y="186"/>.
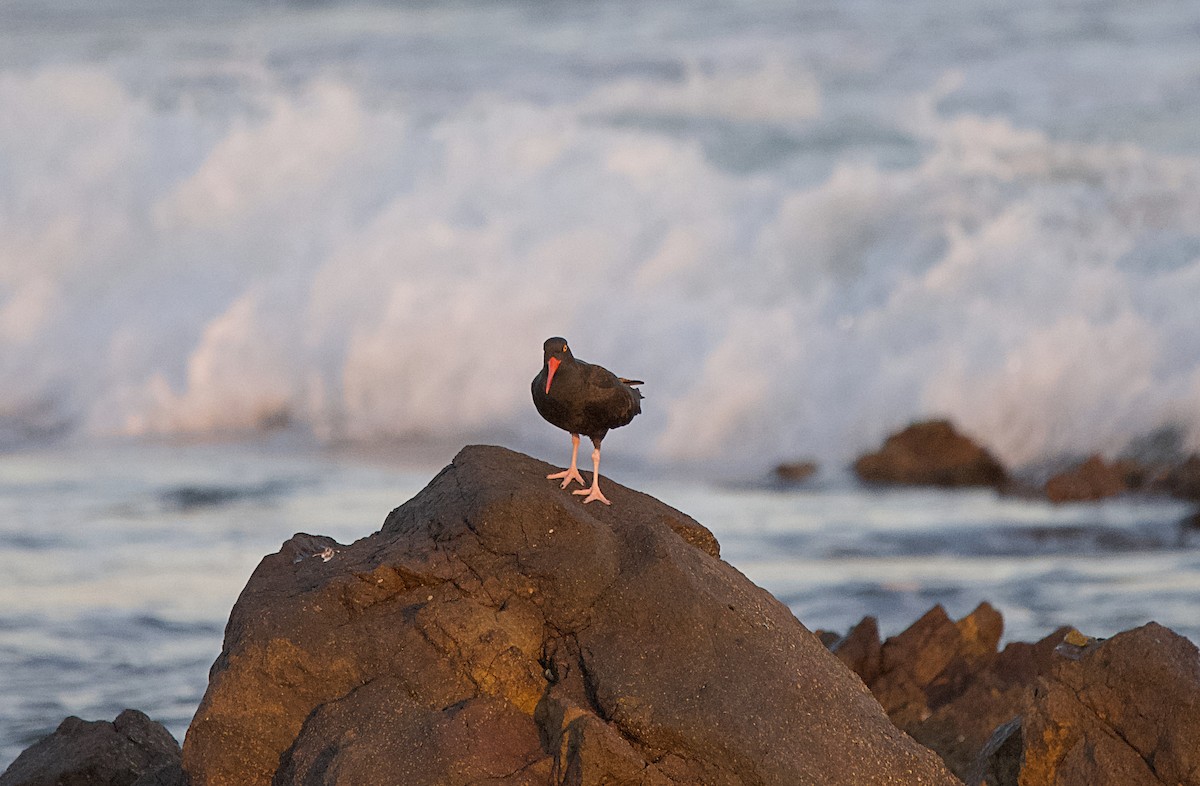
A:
<point x="187" y="498"/>
<point x="131" y="750"/>
<point x="1191" y="521"/>
<point x="796" y="471"/>
<point x="497" y="631"/>
<point x="931" y="453"/>
<point x="1123" y="713"/>
<point x="1093" y="479"/>
<point x="1183" y="480"/>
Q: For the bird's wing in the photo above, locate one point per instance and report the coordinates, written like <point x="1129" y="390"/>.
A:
<point x="597" y="376"/>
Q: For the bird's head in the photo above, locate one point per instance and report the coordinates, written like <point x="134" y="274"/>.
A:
<point x="554" y="352"/>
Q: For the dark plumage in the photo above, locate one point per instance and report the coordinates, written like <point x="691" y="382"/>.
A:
<point x="582" y="398"/>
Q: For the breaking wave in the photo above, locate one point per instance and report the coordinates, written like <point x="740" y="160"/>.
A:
<point x="319" y="254"/>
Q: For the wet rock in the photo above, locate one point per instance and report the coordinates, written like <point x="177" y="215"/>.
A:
<point x="1093" y="479"/>
<point x="1121" y="711"/>
<point x="1183" y="480"/>
<point x="1190" y="522"/>
<point x="496" y="630"/>
<point x="931" y="453"/>
<point x="131" y="750"/>
<point x="795" y="471"/>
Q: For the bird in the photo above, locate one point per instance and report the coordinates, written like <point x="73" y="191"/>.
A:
<point x="582" y="398"/>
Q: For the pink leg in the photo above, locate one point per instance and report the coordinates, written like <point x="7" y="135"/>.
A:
<point x="594" y="492"/>
<point x="572" y="472"/>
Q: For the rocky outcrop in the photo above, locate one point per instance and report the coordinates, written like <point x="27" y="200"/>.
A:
<point x="1121" y="712"/>
<point x="1066" y="711"/>
<point x="497" y="631"/>
<point x="130" y="751"/>
<point x="1093" y="479"/>
<point x="931" y="453"/>
<point x="795" y="471"/>
<point x="944" y="682"/>
<point x="1182" y="480"/>
<point x="1096" y="479"/>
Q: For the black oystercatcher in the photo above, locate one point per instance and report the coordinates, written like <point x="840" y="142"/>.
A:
<point x="582" y="398"/>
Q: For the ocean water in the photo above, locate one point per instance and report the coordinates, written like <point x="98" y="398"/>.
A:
<point x="244" y="246"/>
<point x="802" y="224"/>
<point x="122" y="561"/>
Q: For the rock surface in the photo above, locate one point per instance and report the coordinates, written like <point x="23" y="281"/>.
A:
<point x="795" y="471"/>
<point x="943" y="682"/>
<point x="1093" y="479"/>
<point x="132" y="750"/>
<point x="1121" y="712"/>
<point x="1183" y="479"/>
<point x="1066" y="711"/>
<point x="497" y="631"/>
<point x="931" y="453"/>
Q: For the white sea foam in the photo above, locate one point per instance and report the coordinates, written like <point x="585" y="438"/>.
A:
<point x="366" y="262"/>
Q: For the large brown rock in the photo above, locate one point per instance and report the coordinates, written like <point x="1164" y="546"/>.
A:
<point x="497" y="631"/>
<point x="1122" y="712"/>
<point x="931" y="453"/>
<point x="132" y="750"/>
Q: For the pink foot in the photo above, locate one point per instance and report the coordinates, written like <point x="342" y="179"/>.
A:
<point x="567" y="476"/>
<point x="593" y="494"/>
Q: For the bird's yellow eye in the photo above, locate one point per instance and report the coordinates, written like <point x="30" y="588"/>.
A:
<point x="564" y="349"/>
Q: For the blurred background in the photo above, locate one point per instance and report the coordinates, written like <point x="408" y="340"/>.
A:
<point x="265" y="266"/>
